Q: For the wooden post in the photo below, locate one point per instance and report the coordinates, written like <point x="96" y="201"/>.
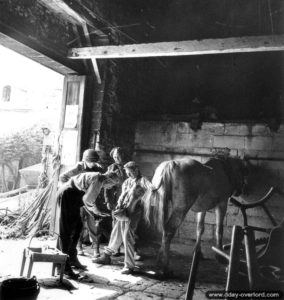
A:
<point x="234" y="261"/>
<point x="193" y="273"/>
<point x="251" y="258"/>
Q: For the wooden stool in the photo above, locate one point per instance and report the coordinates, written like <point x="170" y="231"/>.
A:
<point x="52" y="255"/>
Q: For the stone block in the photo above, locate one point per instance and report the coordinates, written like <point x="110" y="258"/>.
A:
<point x="234" y="220"/>
<point x="227" y="234"/>
<point x="191" y="141"/>
<point x="213" y="128"/>
<point x="232" y="210"/>
<point x="162" y="127"/>
<point x="231" y="142"/>
<point x="261" y="129"/>
<point x="210" y="218"/>
<point x="259" y="143"/>
<point x="237" y="129"/>
<point x="165" y="139"/>
<point x="207" y="128"/>
<point x="278" y="143"/>
<point x="260" y="222"/>
<point x="256" y="212"/>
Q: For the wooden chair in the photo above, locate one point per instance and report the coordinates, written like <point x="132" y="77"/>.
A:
<point x="45" y="254"/>
<point x="247" y="266"/>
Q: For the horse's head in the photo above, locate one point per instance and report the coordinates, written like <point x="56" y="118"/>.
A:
<point x="239" y="176"/>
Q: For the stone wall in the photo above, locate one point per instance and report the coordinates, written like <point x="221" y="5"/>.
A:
<point x="157" y="141"/>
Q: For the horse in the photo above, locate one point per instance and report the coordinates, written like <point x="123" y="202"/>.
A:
<point x="180" y="185"/>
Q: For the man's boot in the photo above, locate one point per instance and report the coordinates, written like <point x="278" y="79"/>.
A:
<point x="103" y="260"/>
<point x="67" y="271"/>
<point x="76" y="263"/>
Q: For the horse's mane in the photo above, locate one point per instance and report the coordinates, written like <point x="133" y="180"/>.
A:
<point x="157" y="197"/>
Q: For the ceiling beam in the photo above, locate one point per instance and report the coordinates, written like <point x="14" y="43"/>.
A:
<point x="38" y="52"/>
<point x="180" y="48"/>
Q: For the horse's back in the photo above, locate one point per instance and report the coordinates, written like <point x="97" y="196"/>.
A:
<point x="200" y="186"/>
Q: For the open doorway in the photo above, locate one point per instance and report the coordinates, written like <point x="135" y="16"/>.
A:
<point x="30" y="106"/>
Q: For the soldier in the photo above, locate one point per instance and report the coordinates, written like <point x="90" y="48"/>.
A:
<point x="89" y="163"/>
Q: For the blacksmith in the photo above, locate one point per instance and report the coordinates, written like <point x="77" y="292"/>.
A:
<point x="80" y="190"/>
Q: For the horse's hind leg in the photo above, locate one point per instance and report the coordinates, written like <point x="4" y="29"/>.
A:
<point x="174" y="221"/>
<point x="200" y="217"/>
<point x="220" y="211"/>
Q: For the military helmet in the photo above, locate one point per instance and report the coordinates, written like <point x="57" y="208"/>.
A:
<point x="90" y="155"/>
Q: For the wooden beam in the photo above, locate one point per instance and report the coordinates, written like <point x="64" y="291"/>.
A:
<point x="194" y="47"/>
<point x="36" y="51"/>
<point x="94" y="62"/>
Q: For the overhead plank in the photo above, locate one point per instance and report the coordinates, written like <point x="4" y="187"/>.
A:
<point x="194" y="47"/>
<point x="94" y="62"/>
<point x="36" y="51"/>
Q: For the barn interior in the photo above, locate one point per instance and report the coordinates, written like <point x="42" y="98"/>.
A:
<point x="198" y="77"/>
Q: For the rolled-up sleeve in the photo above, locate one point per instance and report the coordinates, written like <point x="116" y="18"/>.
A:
<point x="91" y="195"/>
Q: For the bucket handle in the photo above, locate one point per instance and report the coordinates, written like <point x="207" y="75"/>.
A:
<point x="43" y="230"/>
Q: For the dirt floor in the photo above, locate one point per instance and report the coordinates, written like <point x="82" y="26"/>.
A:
<point x="106" y="282"/>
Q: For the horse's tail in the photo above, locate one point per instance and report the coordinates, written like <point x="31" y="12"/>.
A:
<point x="156" y="199"/>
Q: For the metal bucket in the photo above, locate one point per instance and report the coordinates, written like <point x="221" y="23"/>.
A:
<point x="20" y="288"/>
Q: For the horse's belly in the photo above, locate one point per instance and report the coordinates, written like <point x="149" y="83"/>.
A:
<point x="205" y="203"/>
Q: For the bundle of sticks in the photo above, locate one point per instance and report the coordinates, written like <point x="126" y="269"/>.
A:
<point x="35" y="217"/>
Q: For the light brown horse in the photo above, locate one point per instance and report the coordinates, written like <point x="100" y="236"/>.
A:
<point x="183" y="184"/>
